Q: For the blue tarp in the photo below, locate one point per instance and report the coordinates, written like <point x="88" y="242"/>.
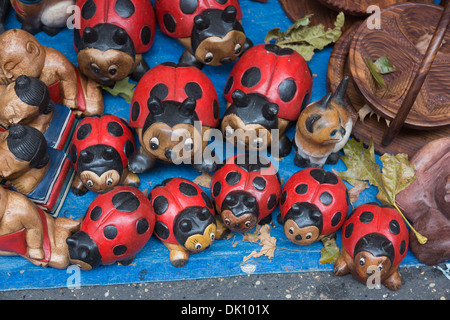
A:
<point x="224" y="258"/>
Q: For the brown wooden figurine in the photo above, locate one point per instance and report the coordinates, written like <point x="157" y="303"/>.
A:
<point x="22" y="54"/>
<point x="323" y="129"/>
<point x="30" y="232"/>
<point x="24" y="160"/>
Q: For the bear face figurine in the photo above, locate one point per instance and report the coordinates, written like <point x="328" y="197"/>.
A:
<point x="99" y="152"/>
<point x="112" y="38"/>
<point x="210" y="30"/>
<point x="314" y="204"/>
<point x="323" y="129"/>
<point x="184" y="218"/>
<point x="24" y="160"/>
<point x="26" y="101"/>
<point x="28" y="231"/>
<point x="246" y="190"/>
<point x="22" y="54"/>
<point x="49" y="16"/>
<point x="173" y="107"/>
<point x="374" y="241"/>
<point x="116" y="226"/>
<point x="266" y="90"/>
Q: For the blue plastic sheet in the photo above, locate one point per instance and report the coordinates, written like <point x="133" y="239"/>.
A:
<point x="224" y="258"/>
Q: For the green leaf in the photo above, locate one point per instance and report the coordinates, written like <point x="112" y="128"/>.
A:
<point x="273" y="34"/>
<point x="123" y="88"/>
<point x="330" y="252"/>
<point x="384" y="66"/>
<point x="376" y="73"/>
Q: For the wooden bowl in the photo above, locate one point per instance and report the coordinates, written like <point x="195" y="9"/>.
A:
<point x="402" y="27"/>
<point x="408" y="141"/>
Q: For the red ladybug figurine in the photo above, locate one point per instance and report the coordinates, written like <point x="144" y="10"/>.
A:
<point x="375" y="240"/>
<point x="246" y="190"/>
<point x="184" y="218"/>
<point x="117" y="225"/>
<point x="210" y="30"/>
<point x="314" y="204"/>
<point x="99" y="152"/>
<point x="266" y="90"/>
<point x="173" y="107"/>
<point x="112" y="37"/>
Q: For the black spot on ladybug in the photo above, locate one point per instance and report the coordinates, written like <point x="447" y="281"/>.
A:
<point x="88" y="10"/>
<point x="193" y="90"/>
<point x="110" y="232"/>
<point x="402" y="247"/>
<point x="169" y="23"/>
<point x="128" y="149"/>
<point x="96" y="213"/>
<point x="216" y="109"/>
<point x="279" y="51"/>
<point x="114" y="129"/>
<point x="135" y="111"/>
<point x="188" y="6"/>
<point x="287" y="90"/>
<point x="394" y="227"/>
<point x="142" y="226"/>
<point x="188" y="190"/>
<point x="125" y="201"/>
<point x="160" y="204"/>
<point x="366" y="217"/>
<point x="259" y="183"/>
<point x="324" y="177"/>
<point x="228" y="85"/>
<point x="73" y="154"/>
<point x="283" y="197"/>
<point x="272" y="202"/>
<point x="326" y="198"/>
<point x="336" y="219"/>
<point x="207" y="200"/>
<point x="146" y="35"/>
<point x="217" y="188"/>
<point x="222" y="1"/>
<point x="233" y="178"/>
<point x="159" y="91"/>
<point x="347" y="197"/>
<point x="251" y="77"/>
<point x="161" y="230"/>
<point x="84" y="131"/>
<point x="349" y="230"/>
<point x="120" y="250"/>
<point x="124" y="8"/>
<point x="301" y="189"/>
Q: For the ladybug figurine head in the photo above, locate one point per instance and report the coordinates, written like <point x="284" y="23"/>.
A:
<point x="314" y="204"/>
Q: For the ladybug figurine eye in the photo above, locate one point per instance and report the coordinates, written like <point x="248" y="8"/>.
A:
<point x="198" y="246"/>
<point x="112" y="70"/>
<point x="238" y="48"/>
<point x="362" y="261"/>
<point x="89" y="183"/>
<point x="309" y="235"/>
<point x="227" y="222"/>
<point x="95" y="68"/>
<point x="247" y="224"/>
<point x="291" y="230"/>
<point x="154" y="143"/>
<point x="213" y="236"/>
<point x="209" y="57"/>
<point x="109" y="181"/>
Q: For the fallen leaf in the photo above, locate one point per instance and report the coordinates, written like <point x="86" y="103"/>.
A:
<point x="204" y="180"/>
<point x="330" y="251"/>
<point x="269" y="244"/>
<point x="123" y="88"/>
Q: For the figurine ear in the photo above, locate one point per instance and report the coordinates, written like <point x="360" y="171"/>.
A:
<point x="310" y="121"/>
<point x="339" y="94"/>
<point x="201" y="22"/>
<point x="230" y="200"/>
<point x="270" y="111"/>
<point x="185" y="225"/>
<point x="187" y="108"/>
<point x="108" y="153"/>
<point x="86" y="156"/>
<point x="323" y="103"/>
<point x="229" y="14"/>
<point x="120" y="37"/>
<point x="203" y="214"/>
<point x="155" y="106"/>
<point x="240" y="99"/>
<point x="33" y="48"/>
<point x="250" y="201"/>
<point x="316" y="215"/>
<point x="90" y="35"/>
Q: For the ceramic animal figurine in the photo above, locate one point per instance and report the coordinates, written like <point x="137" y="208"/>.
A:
<point x="117" y="225"/>
<point x="374" y="241"/>
<point x="266" y="90"/>
<point x="210" y="30"/>
<point x="24" y="158"/>
<point x="49" y="16"/>
<point x="323" y="129"/>
<point x="28" y="231"/>
<point x="22" y="54"/>
<point x="99" y="152"/>
<point x="173" y="107"/>
<point x="245" y="190"/>
<point x="184" y="218"/>
<point x="314" y="204"/>
<point x="112" y="38"/>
